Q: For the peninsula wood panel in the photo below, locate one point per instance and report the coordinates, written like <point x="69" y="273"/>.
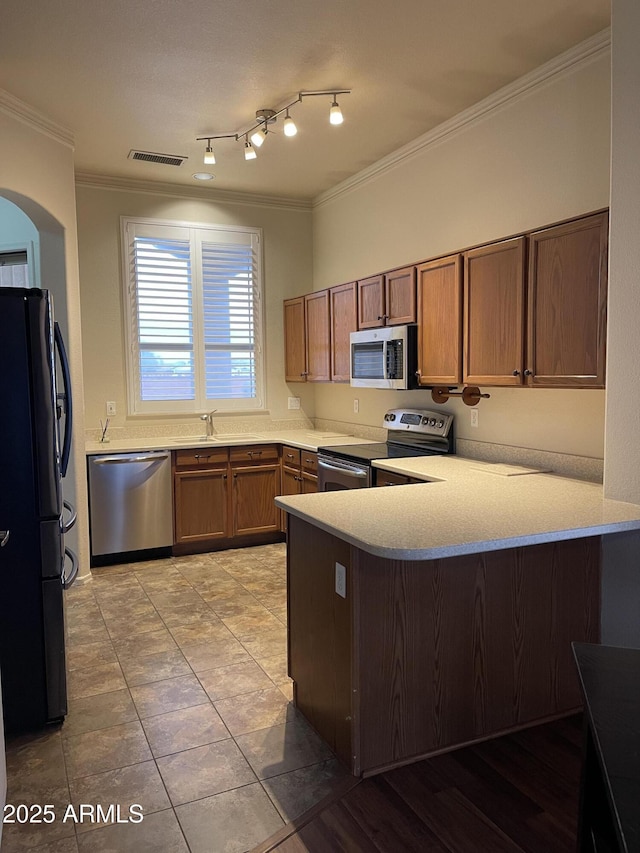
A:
<point x="295" y="360"/>
<point x="439" y="287"/>
<point x="321" y="622"/>
<point x="567" y="304"/>
<point x="344" y="320"/>
<point x="451" y="651"/>
<point x="318" y="336"/>
<point x="494" y="313"/>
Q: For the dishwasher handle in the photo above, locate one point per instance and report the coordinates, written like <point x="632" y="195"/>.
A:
<point x="126" y="460"/>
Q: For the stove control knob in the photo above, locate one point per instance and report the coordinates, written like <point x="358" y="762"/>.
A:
<point x="392" y="417"/>
<point x="425" y="421"/>
<point x="432" y="421"/>
<point x="440" y="424"/>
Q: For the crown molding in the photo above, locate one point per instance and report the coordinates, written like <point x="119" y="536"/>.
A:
<point x="566" y="63"/>
<point x="28" y="115"/>
<point x="104" y="182"/>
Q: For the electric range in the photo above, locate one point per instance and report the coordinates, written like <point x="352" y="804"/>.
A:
<point x="410" y="432"/>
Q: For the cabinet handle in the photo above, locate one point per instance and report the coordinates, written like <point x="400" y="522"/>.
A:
<point x="383" y="317"/>
<point x="253" y="453"/>
<point x="418" y="374"/>
<point x="528" y="372"/>
<point x="516" y="373"/>
<point x="4" y="537"/>
<point x="235" y="476"/>
<point x="201" y="455"/>
<point x="290" y="455"/>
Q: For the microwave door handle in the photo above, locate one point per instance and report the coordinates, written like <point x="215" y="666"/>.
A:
<point x="385" y="363"/>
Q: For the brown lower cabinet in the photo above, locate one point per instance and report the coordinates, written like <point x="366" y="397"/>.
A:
<point x="224" y="497"/>
<point x="422" y="656"/>
<point x="299" y="474"/>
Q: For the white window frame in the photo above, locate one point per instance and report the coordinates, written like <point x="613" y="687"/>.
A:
<point x="197" y="232"/>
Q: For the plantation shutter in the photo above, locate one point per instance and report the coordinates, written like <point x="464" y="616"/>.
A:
<point x="194" y="319"/>
<point x="229" y="311"/>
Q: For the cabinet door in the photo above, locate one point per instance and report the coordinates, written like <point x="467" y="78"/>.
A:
<point x="440" y="321"/>
<point x="295" y="366"/>
<point x="309" y="483"/>
<point x="371" y="302"/>
<point x="318" y="337"/>
<point x="291" y="481"/>
<point x="567" y="304"/>
<point x="400" y="297"/>
<point x="200" y="505"/>
<point x="254" y="492"/>
<point x="344" y="320"/>
<point x="494" y="313"/>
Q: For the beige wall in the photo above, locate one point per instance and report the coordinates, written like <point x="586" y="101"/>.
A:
<point x="287" y="272"/>
<point x="43" y="188"/>
<point x="537" y="158"/>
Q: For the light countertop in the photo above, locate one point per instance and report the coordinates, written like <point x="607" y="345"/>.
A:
<point x="465" y="506"/>
<point x="304" y="439"/>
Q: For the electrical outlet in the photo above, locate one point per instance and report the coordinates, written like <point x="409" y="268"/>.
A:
<point x="474" y="417"/>
<point x="356" y="406"/>
<point x="111" y="408"/>
<point x="293" y="402"/>
<point x="341" y="580"/>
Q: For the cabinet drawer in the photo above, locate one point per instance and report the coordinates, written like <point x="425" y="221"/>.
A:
<point x="309" y="461"/>
<point x="291" y="456"/>
<point x="255" y="453"/>
<point x="201" y="457"/>
<point x="389" y="478"/>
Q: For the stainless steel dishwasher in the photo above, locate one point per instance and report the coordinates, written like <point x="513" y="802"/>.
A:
<point x="130" y="504"/>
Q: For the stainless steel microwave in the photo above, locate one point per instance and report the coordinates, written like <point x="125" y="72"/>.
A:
<point x="384" y="358"/>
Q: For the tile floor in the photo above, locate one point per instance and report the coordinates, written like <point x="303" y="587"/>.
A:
<point x="179" y="701"/>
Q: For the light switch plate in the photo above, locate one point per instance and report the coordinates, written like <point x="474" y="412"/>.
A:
<point x="111" y="408"/>
<point x="293" y="402"/>
<point x="341" y="580"/>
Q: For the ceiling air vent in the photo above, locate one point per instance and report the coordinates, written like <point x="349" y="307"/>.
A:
<point x="151" y="157"/>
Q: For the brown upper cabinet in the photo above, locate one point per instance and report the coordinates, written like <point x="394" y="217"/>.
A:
<point x="307" y="338"/>
<point x="567" y="304"/>
<point x="344" y="320"/>
<point x="295" y="357"/>
<point x="318" y="336"/>
<point x="439" y="285"/>
<point x="494" y="301"/>
<point x="387" y="300"/>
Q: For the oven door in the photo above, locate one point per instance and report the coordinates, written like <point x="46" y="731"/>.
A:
<point x="336" y="475"/>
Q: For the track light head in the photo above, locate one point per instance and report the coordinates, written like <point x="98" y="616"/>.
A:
<point x="209" y="156"/>
<point x="259" y="136"/>
<point x="249" y="150"/>
<point x="335" y="113"/>
<point x="289" y="126"/>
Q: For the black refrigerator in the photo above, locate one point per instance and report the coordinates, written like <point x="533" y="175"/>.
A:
<point x="35" y="566"/>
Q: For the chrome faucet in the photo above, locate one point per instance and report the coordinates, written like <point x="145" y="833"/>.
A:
<point x="208" y="418"/>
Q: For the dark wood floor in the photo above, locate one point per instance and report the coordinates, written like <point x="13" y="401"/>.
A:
<point x="515" y="794"/>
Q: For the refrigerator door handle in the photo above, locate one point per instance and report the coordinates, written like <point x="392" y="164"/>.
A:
<point x="4" y="537"/>
<point x="67" y="399"/>
<point x="67" y="525"/>
<point x="67" y="580"/>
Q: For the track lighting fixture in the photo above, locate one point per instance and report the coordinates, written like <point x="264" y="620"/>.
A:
<point x="256" y="135"/>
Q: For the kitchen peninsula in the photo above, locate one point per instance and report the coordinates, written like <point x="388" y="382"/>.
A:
<point x="427" y="616"/>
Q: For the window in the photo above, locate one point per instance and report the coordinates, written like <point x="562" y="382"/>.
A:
<point x="194" y="317"/>
<point x="14" y="269"/>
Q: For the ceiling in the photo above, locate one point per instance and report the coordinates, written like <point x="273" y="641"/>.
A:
<point x="155" y="74"/>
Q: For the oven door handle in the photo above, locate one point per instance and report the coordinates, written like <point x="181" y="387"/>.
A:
<point x="354" y="472"/>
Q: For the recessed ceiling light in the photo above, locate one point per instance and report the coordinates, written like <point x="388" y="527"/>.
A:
<point x="203" y="176"/>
